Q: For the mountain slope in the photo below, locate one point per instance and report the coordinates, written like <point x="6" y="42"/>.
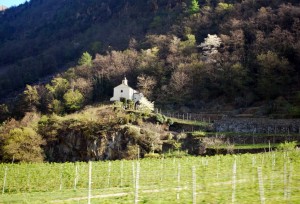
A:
<point x="178" y="53"/>
<point x="41" y="37"/>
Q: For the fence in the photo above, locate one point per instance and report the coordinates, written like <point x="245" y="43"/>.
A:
<point x="270" y="177"/>
<point x="204" y="117"/>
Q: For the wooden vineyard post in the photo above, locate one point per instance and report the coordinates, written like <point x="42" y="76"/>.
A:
<point x="272" y="170"/>
<point x="287" y="176"/>
<point x="261" y="185"/>
<point x="137" y="178"/>
<point x="194" y="184"/>
<point x="90" y="183"/>
<point x="233" y="181"/>
<point x="4" y="180"/>
<point x="285" y="181"/>
<point x="253" y="161"/>
<point x="133" y="175"/>
<point x="162" y="169"/>
<point x="289" y="182"/>
<point x="28" y="181"/>
<point x="218" y="167"/>
<point x="178" y="181"/>
<point x="61" y="177"/>
<point x="76" y="177"/>
<point x="121" y="173"/>
<point x="108" y="174"/>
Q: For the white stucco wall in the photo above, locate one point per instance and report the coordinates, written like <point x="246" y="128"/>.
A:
<point x="122" y="91"/>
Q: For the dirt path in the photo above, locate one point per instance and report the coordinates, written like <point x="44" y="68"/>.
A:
<point x="141" y="191"/>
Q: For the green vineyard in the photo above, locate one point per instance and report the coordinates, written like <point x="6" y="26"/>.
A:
<point x="260" y="178"/>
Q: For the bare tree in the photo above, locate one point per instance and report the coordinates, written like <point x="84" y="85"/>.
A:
<point x="146" y="84"/>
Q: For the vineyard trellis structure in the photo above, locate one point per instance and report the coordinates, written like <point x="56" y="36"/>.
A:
<point x="290" y="130"/>
<point x="272" y="177"/>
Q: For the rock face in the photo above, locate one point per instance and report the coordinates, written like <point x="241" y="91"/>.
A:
<point x="120" y="143"/>
<point x="258" y="125"/>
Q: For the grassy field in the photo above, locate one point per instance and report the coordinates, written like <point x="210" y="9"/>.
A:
<point x="217" y="179"/>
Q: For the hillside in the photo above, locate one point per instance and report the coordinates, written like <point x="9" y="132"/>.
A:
<point x="40" y="38"/>
<point x="233" y="58"/>
<point x="110" y="132"/>
<point x="193" y="52"/>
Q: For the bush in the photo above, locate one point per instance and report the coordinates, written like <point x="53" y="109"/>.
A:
<point x="152" y="156"/>
<point x="287" y="146"/>
<point x="177" y="154"/>
<point x="130" y="104"/>
<point x="23" y="145"/>
<point x="132" y="117"/>
<point x="160" y="118"/>
<point x="170" y="121"/>
<point x="124" y="102"/>
<point x="198" y="134"/>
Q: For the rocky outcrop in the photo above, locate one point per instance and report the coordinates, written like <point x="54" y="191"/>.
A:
<point x="125" y="142"/>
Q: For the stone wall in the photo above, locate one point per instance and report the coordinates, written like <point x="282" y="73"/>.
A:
<point x="258" y="125"/>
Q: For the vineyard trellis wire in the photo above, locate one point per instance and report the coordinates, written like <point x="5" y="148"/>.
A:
<point x="219" y="179"/>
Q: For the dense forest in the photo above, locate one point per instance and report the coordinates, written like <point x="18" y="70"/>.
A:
<point x="179" y="53"/>
<point x="57" y="57"/>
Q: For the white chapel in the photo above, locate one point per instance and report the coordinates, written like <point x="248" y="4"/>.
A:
<point x="125" y="91"/>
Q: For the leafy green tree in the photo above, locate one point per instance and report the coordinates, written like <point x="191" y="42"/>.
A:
<point x="23" y="145"/>
<point x="4" y="112"/>
<point x="274" y="74"/>
<point x="31" y="97"/>
<point x="73" y="100"/>
<point x="194" y="8"/>
<point x="57" y="106"/>
<point x="85" y="60"/>
<point x="58" y="87"/>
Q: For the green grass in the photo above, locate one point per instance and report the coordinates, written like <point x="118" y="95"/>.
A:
<point x="248" y="146"/>
<point x="190" y="122"/>
<point x="54" y="183"/>
<point x="213" y="134"/>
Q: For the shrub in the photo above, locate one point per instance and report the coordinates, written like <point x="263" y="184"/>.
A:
<point x="160" y="118"/>
<point x="170" y="121"/>
<point x="23" y="145"/>
<point x="198" y="134"/>
<point x="152" y="156"/>
<point x="132" y="117"/>
<point x="130" y="104"/>
<point x="124" y="102"/>
<point x="287" y="146"/>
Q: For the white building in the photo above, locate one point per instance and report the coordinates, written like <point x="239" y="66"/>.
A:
<point x="125" y="91"/>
